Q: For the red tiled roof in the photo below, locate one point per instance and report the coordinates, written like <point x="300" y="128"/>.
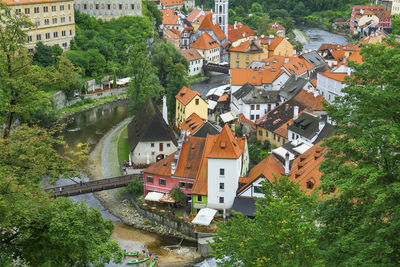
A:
<point x="243" y="119"/>
<point x="355" y="57"/>
<point x="205" y="42"/>
<point x="241" y="31"/>
<point x="192" y="123"/>
<point x="275" y="42"/>
<point x="190" y="157"/>
<point x="186" y="95"/>
<point x="191" y="54"/>
<point x="268" y="168"/>
<point x="207" y="24"/>
<point x="226" y="145"/>
<point x="309" y="100"/>
<point x="169" y="17"/>
<point x="162" y="167"/>
<point x="171" y="2"/>
<point x="277" y="27"/>
<point x="193" y="14"/>
<point x="175" y="34"/>
<point x="255" y="77"/>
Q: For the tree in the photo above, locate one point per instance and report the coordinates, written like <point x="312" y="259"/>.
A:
<point x="264" y="26"/>
<point x="19" y="97"/>
<point x="96" y="64"/>
<point x="177" y="194"/>
<point x="135" y="188"/>
<point x="151" y="11"/>
<point x="360" y="224"/>
<point x="281" y="234"/>
<point x="39" y="230"/>
<point x="396" y="24"/>
<point x="144" y="82"/>
<point x="43" y="55"/>
<point x="176" y="79"/>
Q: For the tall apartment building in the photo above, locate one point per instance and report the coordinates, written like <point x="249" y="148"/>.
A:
<point x="109" y="9"/>
<point x="54" y="20"/>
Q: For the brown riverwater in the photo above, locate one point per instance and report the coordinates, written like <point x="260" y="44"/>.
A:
<point x="133" y="239"/>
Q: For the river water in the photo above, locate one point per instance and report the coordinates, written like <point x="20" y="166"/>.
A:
<point x="90" y="126"/>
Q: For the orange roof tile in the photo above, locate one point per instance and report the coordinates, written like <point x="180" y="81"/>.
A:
<point x="200" y="185"/>
<point x="207" y="24"/>
<point x="309" y="100"/>
<point x="199" y="20"/>
<point x="268" y="168"/>
<point x="169" y="17"/>
<point x="205" y="42"/>
<point x="186" y="95"/>
<point x="193" y="14"/>
<point x="192" y="123"/>
<point x="241" y="31"/>
<point x="305" y="168"/>
<point x="277" y="27"/>
<point x="223" y="98"/>
<point x="255" y="77"/>
<point x="171" y="2"/>
<point x="340" y="77"/>
<point x="242" y="118"/>
<point x="275" y="42"/>
<point x="314" y="82"/>
<point x="226" y="145"/>
<point x="190" y="157"/>
<point x="191" y="54"/>
<point x="249" y="46"/>
<point x="162" y="167"/>
<point x="175" y="34"/>
<point x="355" y="57"/>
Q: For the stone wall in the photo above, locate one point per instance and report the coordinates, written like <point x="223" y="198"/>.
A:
<point x="179" y="225"/>
<point x="60" y="99"/>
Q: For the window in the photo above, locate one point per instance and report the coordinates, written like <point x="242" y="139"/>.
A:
<point x="97" y="6"/>
<point x="47" y="35"/>
<point x="161" y="147"/>
<point x="252" y="117"/>
<point x="257" y="107"/>
<point x="132" y="6"/>
<point x="150" y="179"/>
<point x="54" y="8"/>
<point x="30" y="38"/>
<point x="55" y="34"/>
<point x="152" y="145"/>
<point x="84" y="6"/>
<point x="38" y="37"/>
<point x="153" y="153"/>
<point x="70" y="32"/>
<point x="46" y="21"/>
<point x="168" y="145"/>
<point x="37" y="23"/>
<point x="237" y="55"/>
<point x="120" y="6"/>
<point x="274" y="136"/>
<point x="27" y="10"/>
<point x="269" y="107"/>
<point x="221" y="200"/>
<point x="181" y="184"/>
<point x="279" y="138"/>
<point x="69" y="7"/>
<point x="221" y="186"/>
<point x="196" y="101"/>
<point x="221" y="171"/>
<point x="292" y="136"/>
<point x="260" y="133"/>
<point x="54" y="20"/>
<point x="237" y="64"/>
<point x="162" y="182"/>
<point x="36" y="10"/>
<point x="70" y="19"/>
<point x="62" y="19"/>
<point x="252" y="107"/>
<point x="310" y="185"/>
<point x="189" y="185"/>
<point x="63" y="33"/>
<point x="247" y="57"/>
<point x="108" y="6"/>
<point x="64" y="44"/>
<point x="257" y="189"/>
<point x="199" y="198"/>
<point x="18" y="11"/>
<point x="257" y="116"/>
<point x="45" y="9"/>
<point x="61" y="7"/>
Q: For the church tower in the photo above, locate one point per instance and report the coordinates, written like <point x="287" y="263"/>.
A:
<point x="221" y="15"/>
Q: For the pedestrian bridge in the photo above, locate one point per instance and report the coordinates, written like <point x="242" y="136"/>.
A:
<point x="92" y="186"/>
<point x="221" y="68"/>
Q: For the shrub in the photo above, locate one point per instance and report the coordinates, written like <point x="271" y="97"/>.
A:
<point x="135" y="188"/>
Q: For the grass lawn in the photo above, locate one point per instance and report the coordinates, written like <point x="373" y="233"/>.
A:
<point x="123" y="148"/>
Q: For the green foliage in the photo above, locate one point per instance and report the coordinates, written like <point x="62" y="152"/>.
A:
<point x="45" y="55"/>
<point x="396" y="24"/>
<point x="258" y="151"/>
<point x="135" y="188"/>
<point x="151" y="11"/>
<point x="281" y="234"/>
<point x="96" y="64"/>
<point x="177" y="194"/>
<point x="361" y="223"/>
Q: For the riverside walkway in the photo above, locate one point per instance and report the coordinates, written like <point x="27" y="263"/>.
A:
<point x="92" y="186"/>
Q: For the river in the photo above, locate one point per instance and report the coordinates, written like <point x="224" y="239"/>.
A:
<point x="90" y="126"/>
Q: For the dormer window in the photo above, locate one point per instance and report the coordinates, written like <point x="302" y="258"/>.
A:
<point x="310" y="185"/>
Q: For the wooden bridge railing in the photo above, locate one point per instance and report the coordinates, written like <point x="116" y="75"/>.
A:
<point x="92" y="186"/>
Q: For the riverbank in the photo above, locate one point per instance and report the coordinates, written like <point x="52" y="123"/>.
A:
<point x="104" y="163"/>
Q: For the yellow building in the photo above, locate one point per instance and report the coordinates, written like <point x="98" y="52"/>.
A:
<point x="245" y="53"/>
<point x="54" y="20"/>
<point x="188" y="102"/>
<point x="278" y="46"/>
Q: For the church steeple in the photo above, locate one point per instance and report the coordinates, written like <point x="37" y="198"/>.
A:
<point x="221" y="14"/>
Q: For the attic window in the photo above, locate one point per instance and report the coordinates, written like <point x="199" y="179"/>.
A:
<point x="297" y="175"/>
<point x="189" y="165"/>
<point x="164" y="164"/>
<point x="310" y="185"/>
<point x="187" y="121"/>
<point x="317" y="156"/>
<point x="223" y="144"/>
<point x="193" y="146"/>
<point x="300" y="165"/>
<point x="302" y="158"/>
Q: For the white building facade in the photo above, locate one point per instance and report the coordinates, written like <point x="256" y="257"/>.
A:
<point x="329" y="88"/>
<point x="109" y="9"/>
<point x="221" y="14"/>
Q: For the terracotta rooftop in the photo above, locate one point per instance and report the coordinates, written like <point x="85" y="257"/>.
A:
<point x="249" y="46"/>
<point x="169" y="17"/>
<point x="207" y="24"/>
<point x="272" y="42"/>
<point x="239" y="32"/>
<point x="193" y="14"/>
<point x="243" y="119"/>
<point x="174" y="33"/>
<point x="162" y="167"/>
<point x="268" y="168"/>
<point x="255" y="77"/>
<point x="186" y="95"/>
<point x="191" y="54"/>
<point x="205" y="42"/>
<point x="340" y="77"/>
<point x="192" y="123"/>
<point x="309" y="100"/>
<point x="226" y="145"/>
<point x="190" y="157"/>
<point x="357" y="7"/>
<point x="171" y="2"/>
<point x="305" y="168"/>
<point x="355" y="57"/>
<point x="277" y="27"/>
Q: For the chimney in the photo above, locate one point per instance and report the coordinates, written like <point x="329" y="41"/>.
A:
<point x="286" y="59"/>
<point x="344" y="60"/>
<point x="287" y="171"/>
<point x="348" y="71"/>
<point x="234" y="25"/>
<point x="164" y="109"/>
<point x="295" y="112"/>
<point x="321" y="125"/>
<point x="286" y="107"/>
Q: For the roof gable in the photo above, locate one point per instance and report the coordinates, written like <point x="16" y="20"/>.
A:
<point x="207" y="24"/>
<point x="186" y="95"/>
<point x="205" y="42"/>
<point x="226" y="145"/>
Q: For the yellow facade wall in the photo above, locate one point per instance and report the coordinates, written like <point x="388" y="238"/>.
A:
<point x="285" y="48"/>
<point x="273" y="138"/>
<point x="55" y="18"/>
<point x="243" y="60"/>
<point x="196" y="105"/>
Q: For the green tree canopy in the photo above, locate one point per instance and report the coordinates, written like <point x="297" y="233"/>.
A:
<point x="177" y="194"/>
<point x="281" y="234"/>
<point x="360" y="225"/>
<point x="135" y="188"/>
